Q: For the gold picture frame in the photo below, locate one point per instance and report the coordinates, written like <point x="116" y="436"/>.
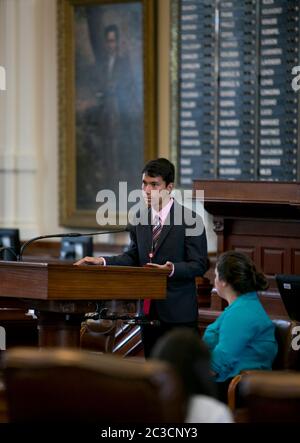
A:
<point x="107" y="109"/>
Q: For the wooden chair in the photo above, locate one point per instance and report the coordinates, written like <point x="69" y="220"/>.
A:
<point x="98" y="335"/>
<point x="272" y="396"/>
<point x="64" y="385"/>
<point x="102" y="335"/>
<point x="286" y="359"/>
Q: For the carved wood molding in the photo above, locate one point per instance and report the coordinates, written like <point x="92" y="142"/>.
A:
<point x="218" y="226"/>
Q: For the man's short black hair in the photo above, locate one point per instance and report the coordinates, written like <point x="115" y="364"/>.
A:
<point x="161" y="167"/>
<point x="112" y="28"/>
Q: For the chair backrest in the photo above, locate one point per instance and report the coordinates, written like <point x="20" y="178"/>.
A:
<point x="272" y="396"/>
<point x="61" y="385"/>
<point x="287" y="357"/>
<point x="76" y="248"/>
<point x="10" y="241"/>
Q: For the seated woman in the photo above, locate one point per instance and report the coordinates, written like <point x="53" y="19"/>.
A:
<point x="243" y="337"/>
<point x="190" y="358"/>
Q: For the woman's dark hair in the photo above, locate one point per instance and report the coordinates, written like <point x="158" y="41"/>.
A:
<point x="161" y="167"/>
<point x="239" y="271"/>
<point x="183" y="349"/>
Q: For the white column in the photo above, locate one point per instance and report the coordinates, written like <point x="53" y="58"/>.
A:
<point x="8" y="113"/>
<point x="2" y="79"/>
<point x="48" y="153"/>
<point x="28" y="117"/>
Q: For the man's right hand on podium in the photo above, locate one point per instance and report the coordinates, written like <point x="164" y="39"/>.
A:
<point x="90" y="261"/>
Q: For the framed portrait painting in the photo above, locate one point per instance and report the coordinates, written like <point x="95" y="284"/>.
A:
<point x="107" y="98"/>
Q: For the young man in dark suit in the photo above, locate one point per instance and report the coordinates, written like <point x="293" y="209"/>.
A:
<point x="165" y="242"/>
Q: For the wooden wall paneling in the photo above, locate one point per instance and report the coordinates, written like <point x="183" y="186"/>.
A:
<point x="273" y="260"/>
<point x="295" y="261"/>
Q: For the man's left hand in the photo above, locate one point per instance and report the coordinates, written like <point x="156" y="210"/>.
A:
<point x="167" y="266"/>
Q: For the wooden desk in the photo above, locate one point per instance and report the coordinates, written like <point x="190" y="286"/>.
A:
<point x="61" y="293"/>
<point x="261" y="219"/>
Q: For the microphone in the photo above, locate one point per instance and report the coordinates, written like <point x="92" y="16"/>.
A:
<point x="66" y="235"/>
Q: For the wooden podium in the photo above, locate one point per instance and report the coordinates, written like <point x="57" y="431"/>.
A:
<point x="61" y="293"/>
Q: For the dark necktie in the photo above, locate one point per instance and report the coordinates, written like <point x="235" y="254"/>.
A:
<point x="156" y="230"/>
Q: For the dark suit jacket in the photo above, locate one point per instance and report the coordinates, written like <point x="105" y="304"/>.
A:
<point x="188" y="253"/>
